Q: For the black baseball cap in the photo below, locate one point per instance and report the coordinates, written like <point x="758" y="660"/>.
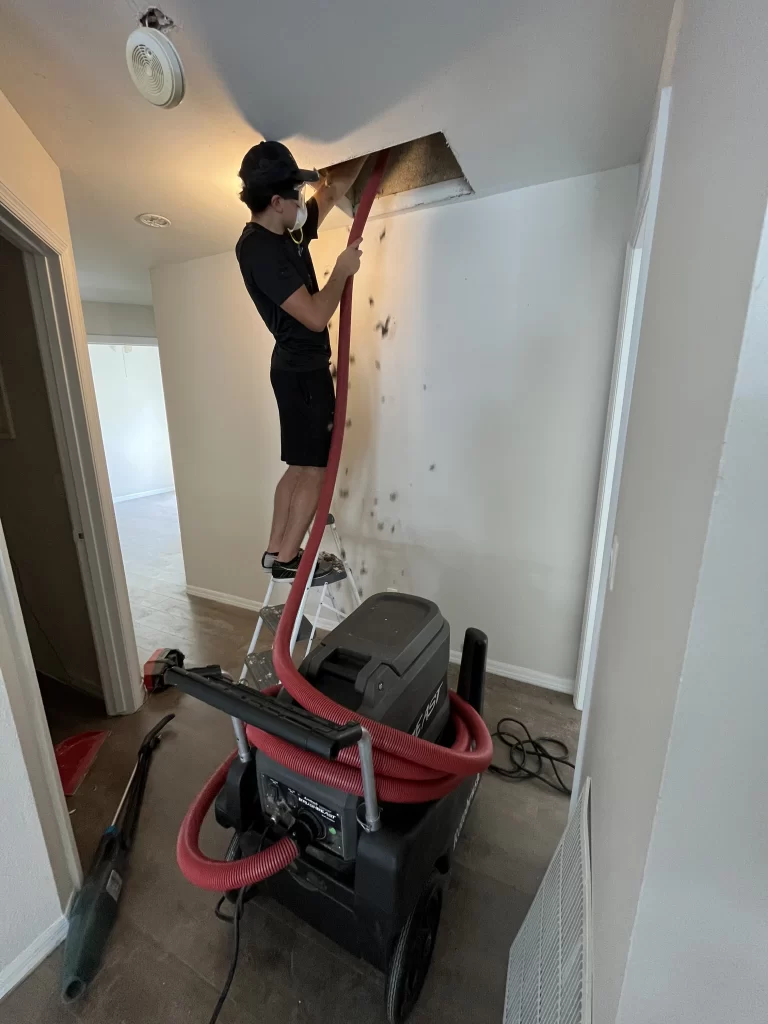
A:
<point x="271" y="163"/>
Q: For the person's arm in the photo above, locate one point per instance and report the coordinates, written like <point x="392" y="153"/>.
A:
<point x="336" y="185"/>
<point x="314" y="311"/>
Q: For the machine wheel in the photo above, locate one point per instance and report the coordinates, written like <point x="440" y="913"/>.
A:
<point x="413" y="951"/>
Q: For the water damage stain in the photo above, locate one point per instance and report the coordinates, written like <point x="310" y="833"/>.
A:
<point x="379" y="527"/>
<point x="348" y="424"/>
<point x="383" y="399"/>
<point x="375" y="501"/>
<point x="383" y="328"/>
<point x="352" y="360"/>
<point x="370" y="301"/>
<point x="393" y="495"/>
<point x="343" y="492"/>
<point x="377" y="365"/>
<point x="432" y="468"/>
<point x="392" y="529"/>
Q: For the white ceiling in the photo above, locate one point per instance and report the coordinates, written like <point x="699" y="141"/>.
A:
<point x="525" y="90"/>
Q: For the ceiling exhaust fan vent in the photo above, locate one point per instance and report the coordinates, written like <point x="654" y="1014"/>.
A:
<point x="155" y="67"/>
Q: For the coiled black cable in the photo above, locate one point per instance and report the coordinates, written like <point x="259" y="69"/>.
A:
<point x="528" y="757"/>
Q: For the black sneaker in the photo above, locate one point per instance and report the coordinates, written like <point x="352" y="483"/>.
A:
<point x="268" y="559"/>
<point x="288" y="570"/>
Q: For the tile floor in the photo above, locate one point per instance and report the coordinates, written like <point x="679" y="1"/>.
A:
<point x="169" y="955"/>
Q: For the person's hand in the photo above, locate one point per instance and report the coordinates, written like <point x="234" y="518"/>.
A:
<point x="348" y="262"/>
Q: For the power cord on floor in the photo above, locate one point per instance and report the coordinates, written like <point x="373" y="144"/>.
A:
<point x="234" y="920"/>
<point x="528" y="757"/>
<point x="236" y="916"/>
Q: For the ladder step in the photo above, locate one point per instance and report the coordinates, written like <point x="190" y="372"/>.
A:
<point x="261" y="671"/>
<point x="336" y="575"/>
<point x="338" y="571"/>
<point x="271" y="615"/>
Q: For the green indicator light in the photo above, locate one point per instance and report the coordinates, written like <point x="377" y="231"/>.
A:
<point x="332" y="831"/>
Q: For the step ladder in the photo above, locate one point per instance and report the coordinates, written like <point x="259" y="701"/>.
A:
<point x="258" y="670"/>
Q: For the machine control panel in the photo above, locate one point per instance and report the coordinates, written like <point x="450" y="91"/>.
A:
<point x="284" y="805"/>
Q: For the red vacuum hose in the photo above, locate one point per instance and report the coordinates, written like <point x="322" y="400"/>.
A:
<point x="408" y="769"/>
<point x="222" y="875"/>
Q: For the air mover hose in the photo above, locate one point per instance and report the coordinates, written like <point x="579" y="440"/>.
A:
<point x="408" y="769"/>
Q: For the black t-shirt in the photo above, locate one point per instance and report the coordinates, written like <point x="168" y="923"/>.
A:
<point x="273" y="268"/>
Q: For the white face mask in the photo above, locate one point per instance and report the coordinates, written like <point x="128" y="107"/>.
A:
<point x="301" y="214"/>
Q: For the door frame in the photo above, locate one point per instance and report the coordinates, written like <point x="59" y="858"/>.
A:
<point x="630" y="324"/>
<point x="625" y="358"/>
<point x="54" y="293"/>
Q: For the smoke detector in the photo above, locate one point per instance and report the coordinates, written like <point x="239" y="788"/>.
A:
<point x="153" y="220"/>
<point x="155" y="66"/>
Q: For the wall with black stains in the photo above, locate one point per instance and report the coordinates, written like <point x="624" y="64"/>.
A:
<point x="482" y="343"/>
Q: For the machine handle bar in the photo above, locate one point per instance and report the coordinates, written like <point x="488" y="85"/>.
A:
<point x="290" y="723"/>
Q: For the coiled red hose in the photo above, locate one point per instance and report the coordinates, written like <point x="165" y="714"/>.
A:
<point x="221" y="875"/>
<point x="408" y="769"/>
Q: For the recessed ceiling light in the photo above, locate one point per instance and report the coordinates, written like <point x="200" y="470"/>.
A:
<point x="153" y="220"/>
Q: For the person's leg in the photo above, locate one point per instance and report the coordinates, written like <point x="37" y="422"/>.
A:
<point x="303" y="506"/>
<point x="306" y="404"/>
<point x="282" y="507"/>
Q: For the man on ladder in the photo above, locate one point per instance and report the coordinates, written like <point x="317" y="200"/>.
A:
<point x="273" y="253"/>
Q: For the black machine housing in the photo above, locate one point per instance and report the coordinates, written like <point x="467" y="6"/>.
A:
<point x="387" y="661"/>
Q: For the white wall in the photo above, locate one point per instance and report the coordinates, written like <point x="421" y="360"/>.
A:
<point x="120" y="320"/>
<point x="495" y="371"/>
<point x="712" y="203"/>
<point x="129" y="394"/>
<point x="34" y="887"/>
<point x="704" y="901"/>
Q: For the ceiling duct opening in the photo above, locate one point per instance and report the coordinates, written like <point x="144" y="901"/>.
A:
<point x="418" y="172"/>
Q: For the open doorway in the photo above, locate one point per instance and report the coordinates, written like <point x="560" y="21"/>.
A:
<point x="127" y="377"/>
<point x="37" y="521"/>
<point x="51" y="578"/>
<point x="129" y="395"/>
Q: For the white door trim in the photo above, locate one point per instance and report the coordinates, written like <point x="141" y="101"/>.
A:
<point x="17" y="671"/>
<point x="610" y="471"/>
<point x="635" y="278"/>
<point x="64" y="349"/>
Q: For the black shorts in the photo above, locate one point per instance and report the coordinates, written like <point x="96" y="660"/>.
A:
<point x="305" y="401"/>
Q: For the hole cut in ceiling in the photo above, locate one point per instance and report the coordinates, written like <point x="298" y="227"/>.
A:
<point x="414" y="171"/>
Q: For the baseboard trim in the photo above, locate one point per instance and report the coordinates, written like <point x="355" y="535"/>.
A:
<point x="245" y="602"/>
<point x="220" y="598"/>
<point x="76" y="683"/>
<point x="523" y="675"/>
<point x="30" y="958"/>
<point x="498" y="668"/>
<point x="143" y="494"/>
